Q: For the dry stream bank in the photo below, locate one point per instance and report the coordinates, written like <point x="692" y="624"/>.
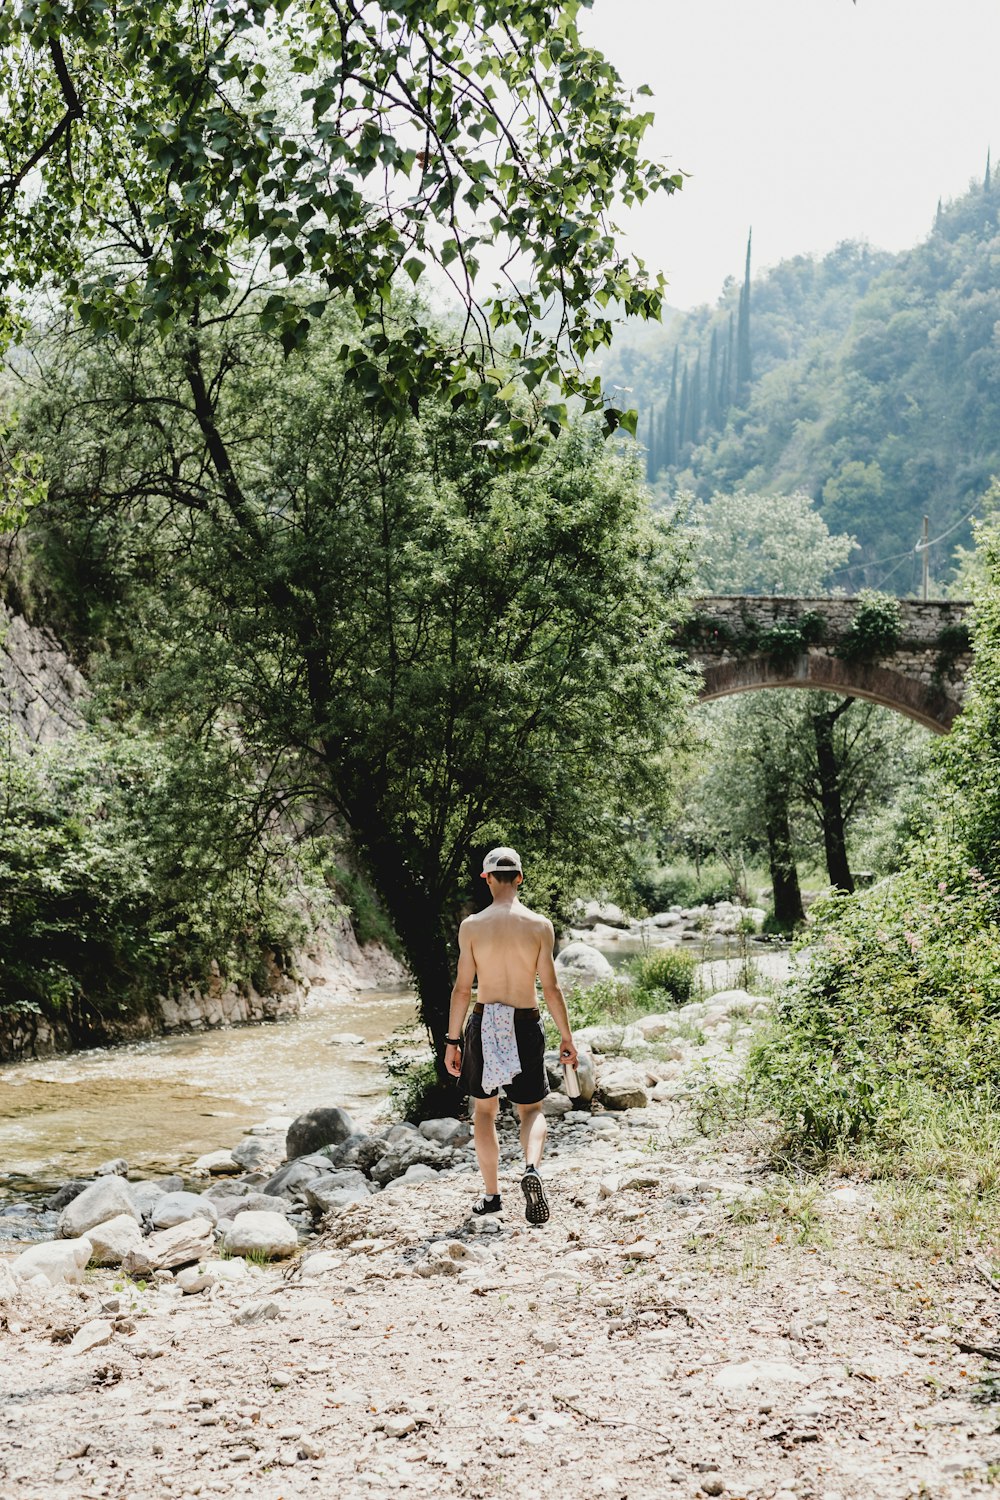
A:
<point x="689" y="1323"/>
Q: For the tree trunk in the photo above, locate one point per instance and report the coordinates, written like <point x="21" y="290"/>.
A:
<point x="831" y="803"/>
<point x="429" y="945"/>
<point x="788" y="910"/>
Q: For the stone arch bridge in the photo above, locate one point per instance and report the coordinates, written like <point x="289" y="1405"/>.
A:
<point x="909" y="655"/>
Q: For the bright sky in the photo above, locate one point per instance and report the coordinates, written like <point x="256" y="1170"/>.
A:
<point x="815" y="121"/>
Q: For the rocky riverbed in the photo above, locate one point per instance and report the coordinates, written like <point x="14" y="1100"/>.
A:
<point x="680" y="1327"/>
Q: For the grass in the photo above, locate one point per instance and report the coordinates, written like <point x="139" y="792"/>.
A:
<point x="788" y="1204"/>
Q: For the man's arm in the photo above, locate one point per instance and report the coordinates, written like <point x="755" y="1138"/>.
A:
<point x="554" y="999"/>
<point x="461" y="995"/>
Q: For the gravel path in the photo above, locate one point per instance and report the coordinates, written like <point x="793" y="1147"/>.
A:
<point x="678" y="1329"/>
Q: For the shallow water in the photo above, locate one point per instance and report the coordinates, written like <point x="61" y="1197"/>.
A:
<point x="163" y="1102"/>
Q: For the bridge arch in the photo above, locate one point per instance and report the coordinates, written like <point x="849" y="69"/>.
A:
<point x="882" y="685"/>
<point x="748" y="642"/>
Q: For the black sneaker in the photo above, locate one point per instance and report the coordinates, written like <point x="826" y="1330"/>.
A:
<point x="489" y="1203"/>
<point x="536" y="1205"/>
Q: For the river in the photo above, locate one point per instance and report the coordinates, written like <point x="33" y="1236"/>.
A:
<point x="163" y="1102"/>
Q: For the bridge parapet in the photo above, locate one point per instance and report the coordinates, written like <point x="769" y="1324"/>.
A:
<point x="911" y="655"/>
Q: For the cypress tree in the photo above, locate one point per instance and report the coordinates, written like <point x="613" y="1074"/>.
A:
<point x="682" y="415"/>
<point x="938" y="216"/>
<point x="667" y="439"/>
<point x="671" y="436"/>
<point x="695" y="400"/>
<point x="727" y="389"/>
<point x="986" y="179"/>
<point x="744" y="363"/>
<point x="651" y="445"/>
<point x="712" y="412"/>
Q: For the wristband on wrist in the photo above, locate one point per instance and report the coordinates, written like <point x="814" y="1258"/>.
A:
<point x="453" y="1041"/>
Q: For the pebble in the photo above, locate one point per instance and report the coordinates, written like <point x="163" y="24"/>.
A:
<point x="257" y="1312"/>
<point x="713" y="1484"/>
<point x="397" y="1427"/>
<point x="281" y="1378"/>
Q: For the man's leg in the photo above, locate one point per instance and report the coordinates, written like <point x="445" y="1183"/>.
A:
<point x="534" y="1128"/>
<point x="484" y="1124"/>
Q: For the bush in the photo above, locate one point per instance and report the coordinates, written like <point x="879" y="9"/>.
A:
<point x="666" y="977"/>
<point x="118" y="879"/>
<point x="609" y="1000"/>
<point x="875" y="629"/>
<point x="680" y="884"/>
<point x="897" y="1003"/>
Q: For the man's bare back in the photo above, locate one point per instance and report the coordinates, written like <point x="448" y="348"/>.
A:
<point x="507" y="944"/>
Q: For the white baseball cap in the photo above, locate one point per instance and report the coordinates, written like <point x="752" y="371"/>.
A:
<point x="501" y="859"/>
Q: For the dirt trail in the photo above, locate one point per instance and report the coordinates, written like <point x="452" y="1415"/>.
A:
<point x="670" y="1332"/>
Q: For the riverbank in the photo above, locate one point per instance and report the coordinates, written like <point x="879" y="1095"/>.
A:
<point x="691" y="1322"/>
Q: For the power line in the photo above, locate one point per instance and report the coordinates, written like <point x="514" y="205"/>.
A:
<point x="910" y="551"/>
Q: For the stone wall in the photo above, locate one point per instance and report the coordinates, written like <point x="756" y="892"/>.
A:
<point x="40" y="688"/>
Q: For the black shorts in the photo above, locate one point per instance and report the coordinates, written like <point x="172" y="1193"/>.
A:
<point x="532" y="1084"/>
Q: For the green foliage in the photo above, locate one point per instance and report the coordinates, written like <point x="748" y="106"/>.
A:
<point x="118" y="879"/>
<point x="368" y="918"/>
<point x="748" y="543"/>
<point x="875" y="629"/>
<point x="875" y="387"/>
<point x="664" y="977"/>
<point x="897" y="1002"/>
<point x="781" y="642"/>
<point x="152" y="167"/>
<point x="972" y="753"/>
<point x="680" y="882"/>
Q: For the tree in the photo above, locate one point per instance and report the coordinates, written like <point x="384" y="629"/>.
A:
<point x="744" y="359"/>
<point x="158" y="159"/>
<point x="763" y="544"/>
<point x="440" y="652"/>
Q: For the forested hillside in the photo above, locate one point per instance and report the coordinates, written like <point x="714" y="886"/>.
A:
<point x="870" y="380"/>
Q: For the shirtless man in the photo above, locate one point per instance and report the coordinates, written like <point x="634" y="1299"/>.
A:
<point x="506" y="946"/>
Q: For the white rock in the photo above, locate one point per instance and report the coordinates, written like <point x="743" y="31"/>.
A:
<point x="144" y="1195"/>
<point x="601" y="1038"/>
<point x="842" y="1197"/>
<point x="447" y="1132"/>
<point x="91" y="1336"/>
<point x="178" y="1208"/>
<point x="194" y="1279"/>
<point x="728" y="1000"/>
<point x="102" y="1200"/>
<point x="215" y="1163"/>
<point x="118" y="1167"/>
<point x="554" y="1105"/>
<point x="261" y="1234"/>
<point x="111" y="1241"/>
<point x="58" y="1261"/>
<point x="181" y="1245"/>
<point x="582" y="965"/>
<point x="604" y="913"/>
<point x="419" y="1172"/>
<point x="257" y="1312"/>
<point x="623" y="1089"/>
<point x="229" y="1271"/>
<point x="319" y="1264"/>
